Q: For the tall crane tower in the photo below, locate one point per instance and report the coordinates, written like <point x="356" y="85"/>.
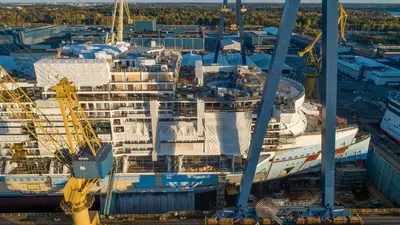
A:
<point x="240" y="11"/>
<point x="326" y="209"/>
<point x="87" y="159"/>
<point x="121" y="7"/>
<point x="312" y="62"/>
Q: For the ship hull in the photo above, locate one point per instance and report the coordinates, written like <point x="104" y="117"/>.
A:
<point x="267" y="169"/>
<point x="390" y="125"/>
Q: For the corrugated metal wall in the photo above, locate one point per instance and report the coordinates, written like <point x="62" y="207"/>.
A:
<point x="385" y="176"/>
<point x="151" y="202"/>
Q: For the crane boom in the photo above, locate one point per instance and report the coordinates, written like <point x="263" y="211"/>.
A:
<point x="124" y="6"/>
<point x="128" y="12"/>
<point x="342" y="21"/>
<point x="83" y="135"/>
<point x="89" y="152"/>
<point x="113" y="24"/>
<point x="312" y="61"/>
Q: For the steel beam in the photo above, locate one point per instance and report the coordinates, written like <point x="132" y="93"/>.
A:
<point x="328" y="100"/>
<point x="220" y="30"/>
<point x="288" y="20"/>
<point x="241" y="30"/>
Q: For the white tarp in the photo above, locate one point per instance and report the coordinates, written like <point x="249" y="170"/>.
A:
<point x="180" y="131"/>
<point x="227" y="133"/>
<point x="89" y="51"/>
<point x="137" y="131"/>
<point x="230" y="45"/>
<point x="84" y="72"/>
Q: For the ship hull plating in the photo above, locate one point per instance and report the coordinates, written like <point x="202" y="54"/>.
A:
<point x="269" y="168"/>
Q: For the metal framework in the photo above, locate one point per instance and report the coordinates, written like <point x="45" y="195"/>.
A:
<point x="123" y="5"/>
<point x="328" y="101"/>
<point x="224" y="10"/>
<point x="312" y="62"/>
<point x="81" y="139"/>
<point x="31" y="117"/>
<point x="240" y="11"/>
<point x="290" y="10"/>
<point x="81" y="135"/>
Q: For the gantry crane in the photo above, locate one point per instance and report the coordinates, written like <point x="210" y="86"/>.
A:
<point x="240" y="11"/>
<point x="123" y="5"/>
<point x="88" y="159"/>
<point x="315" y="212"/>
<point x="312" y="62"/>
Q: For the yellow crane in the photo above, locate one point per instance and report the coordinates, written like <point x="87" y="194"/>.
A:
<point x="58" y="54"/>
<point x="312" y="62"/>
<point x="81" y="151"/>
<point x="124" y="6"/>
<point x="128" y="12"/>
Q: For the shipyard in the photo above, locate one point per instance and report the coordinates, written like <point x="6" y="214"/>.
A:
<point x="131" y="113"/>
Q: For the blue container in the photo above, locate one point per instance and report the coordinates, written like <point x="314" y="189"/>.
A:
<point x="87" y="166"/>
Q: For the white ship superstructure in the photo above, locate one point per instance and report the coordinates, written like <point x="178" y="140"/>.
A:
<point x="170" y="128"/>
<point x="390" y="123"/>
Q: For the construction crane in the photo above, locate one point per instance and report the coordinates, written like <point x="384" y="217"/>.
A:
<point x="87" y="159"/>
<point x="123" y="5"/>
<point x="240" y="11"/>
<point x="128" y="12"/>
<point x="314" y="213"/>
<point x="312" y="62"/>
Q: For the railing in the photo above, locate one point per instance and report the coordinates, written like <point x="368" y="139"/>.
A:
<point x="375" y="211"/>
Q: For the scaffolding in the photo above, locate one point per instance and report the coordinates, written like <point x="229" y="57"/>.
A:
<point x="221" y="186"/>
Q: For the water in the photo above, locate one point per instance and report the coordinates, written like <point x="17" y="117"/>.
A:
<point x="395" y="13"/>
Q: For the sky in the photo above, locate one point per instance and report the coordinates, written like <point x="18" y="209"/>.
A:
<point x="202" y="1"/>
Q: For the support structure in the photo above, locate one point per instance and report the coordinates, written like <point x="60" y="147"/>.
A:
<point x="240" y="10"/>
<point x="112" y="24"/>
<point x="224" y="9"/>
<point x="154" y="109"/>
<point x="328" y="101"/>
<point x="288" y="20"/>
<point x="120" y="34"/>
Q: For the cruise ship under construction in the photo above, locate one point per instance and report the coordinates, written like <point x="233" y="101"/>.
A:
<point x="176" y="132"/>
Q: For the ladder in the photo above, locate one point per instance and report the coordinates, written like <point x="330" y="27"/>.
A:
<point x="221" y="185"/>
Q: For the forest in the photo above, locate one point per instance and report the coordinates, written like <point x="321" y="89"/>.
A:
<point x="361" y="18"/>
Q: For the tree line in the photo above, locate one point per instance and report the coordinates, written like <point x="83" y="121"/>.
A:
<point x="308" y="19"/>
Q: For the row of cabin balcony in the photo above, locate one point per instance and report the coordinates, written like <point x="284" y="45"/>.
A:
<point x="142" y="87"/>
<point x="120" y="86"/>
<point x="143" y="77"/>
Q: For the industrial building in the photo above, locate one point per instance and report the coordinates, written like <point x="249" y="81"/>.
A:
<point x="386" y="51"/>
<point x="361" y="68"/>
<point x="263" y="40"/>
<point x="169" y="36"/>
<point x="31" y="36"/>
<point x="145" y="25"/>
